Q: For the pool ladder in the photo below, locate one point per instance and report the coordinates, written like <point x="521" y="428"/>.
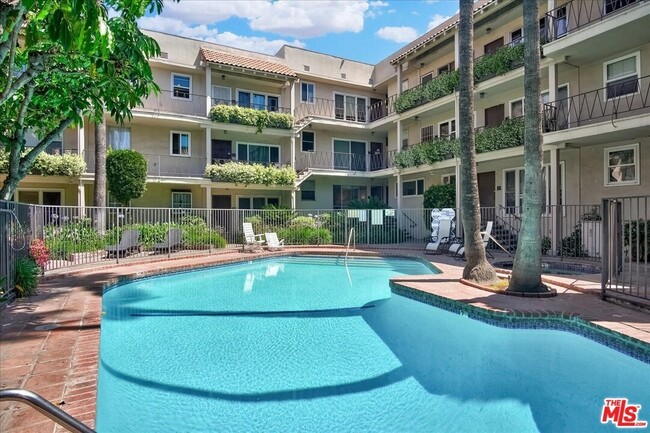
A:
<point x="352" y="239"/>
<point x="46" y="408"/>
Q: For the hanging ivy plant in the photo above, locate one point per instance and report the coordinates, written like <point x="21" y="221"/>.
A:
<point x="251" y="117"/>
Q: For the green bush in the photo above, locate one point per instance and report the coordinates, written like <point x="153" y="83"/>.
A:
<point x="251" y="117"/>
<point x="76" y="237"/>
<point x="571" y="245"/>
<point x="126" y="174"/>
<point x="440" y="86"/>
<point x="546" y="245"/>
<point x="251" y="174"/>
<point x="369" y="203"/>
<point x="68" y="164"/>
<point x="26" y="276"/>
<point x="503" y="60"/>
<point x="303" y="221"/>
<point x="634" y="235"/>
<point x="510" y="133"/>
<point x="305" y="236"/>
<point x="202" y="237"/>
<point x="440" y="196"/>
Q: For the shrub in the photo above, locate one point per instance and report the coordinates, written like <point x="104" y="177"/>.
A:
<point x="126" y="174"/>
<point x="68" y="164"/>
<point x="510" y="133"/>
<point x="571" y="245"/>
<point x="369" y="203"/>
<point x="202" y="237"/>
<point x="252" y="117"/>
<point x="634" y="235"/>
<point x="427" y="153"/>
<point x="39" y="252"/>
<point x="305" y="236"/>
<point x="247" y="174"/>
<point x="440" y="86"/>
<point x="503" y="60"/>
<point x="26" y="276"/>
<point x="70" y="238"/>
<point x="440" y="196"/>
<point x="546" y="245"/>
<point x="303" y="221"/>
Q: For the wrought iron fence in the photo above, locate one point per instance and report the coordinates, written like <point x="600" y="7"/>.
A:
<point x="330" y="109"/>
<point x="15" y="236"/>
<point x="626" y="249"/>
<point x="383" y="108"/>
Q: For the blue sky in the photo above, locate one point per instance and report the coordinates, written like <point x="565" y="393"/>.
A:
<point x="363" y="30"/>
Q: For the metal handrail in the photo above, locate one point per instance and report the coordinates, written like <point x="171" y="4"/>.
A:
<point x="354" y="242"/>
<point x="46" y="408"/>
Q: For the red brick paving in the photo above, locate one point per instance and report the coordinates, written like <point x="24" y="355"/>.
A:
<point x="61" y="364"/>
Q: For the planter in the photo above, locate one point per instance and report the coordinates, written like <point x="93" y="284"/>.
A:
<point x="591" y="234"/>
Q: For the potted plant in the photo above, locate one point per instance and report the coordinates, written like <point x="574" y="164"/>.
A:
<point x="591" y="230"/>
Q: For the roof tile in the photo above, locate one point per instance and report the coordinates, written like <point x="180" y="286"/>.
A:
<point x="251" y="63"/>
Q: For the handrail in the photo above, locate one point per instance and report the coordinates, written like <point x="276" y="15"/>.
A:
<point x="413" y="223"/>
<point x="354" y="242"/>
<point x="46" y="408"/>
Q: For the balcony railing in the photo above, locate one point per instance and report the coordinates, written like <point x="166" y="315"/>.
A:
<point x="577" y="14"/>
<point x="330" y="109"/>
<point x="340" y="161"/>
<point x="254" y="106"/>
<point x="382" y="109"/>
<point x="161" y="165"/>
<point x="166" y="102"/>
<point x="625" y="98"/>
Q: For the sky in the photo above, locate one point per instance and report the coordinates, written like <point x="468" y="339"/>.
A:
<point x="362" y="30"/>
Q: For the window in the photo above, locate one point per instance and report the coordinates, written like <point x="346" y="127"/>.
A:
<point x="349" y="107"/>
<point x="308" y="141"/>
<point x="426" y="78"/>
<point x="180" y="143"/>
<point x="349" y="155"/>
<point x="258" y="100"/>
<point x="119" y="138"/>
<point x="405" y="137"/>
<point x="405" y="84"/>
<point x="221" y="95"/>
<point x="181" y="200"/>
<point x="517" y="108"/>
<point x="263" y="153"/>
<point x="308" y="190"/>
<point x="449" y="179"/>
<point x="621" y="165"/>
<point x="412" y="188"/>
<point x="560" y="22"/>
<point x="54" y="148"/>
<point x="257" y="202"/>
<point x="307" y="92"/>
<point x="614" y="5"/>
<point x="426" y="133"/>
<point x="42" y="197"/>
<point x="543" y="33"/>
<point x="517" y="37"/>
<point x="446" y="69"/>
<point x="447" y="129"/>
<point x="621" y="76"/>
<point x="343" y="194"/>
<point x="546" y="180"/>
<point x="182" y="86"/>
<point x="514" y="188"/>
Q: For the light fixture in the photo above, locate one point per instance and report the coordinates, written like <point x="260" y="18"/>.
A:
<point x="488" y="30"/>
<point x="223" y="77"/>
<point x="481" y="95"/>
<point x="416" y="118"/>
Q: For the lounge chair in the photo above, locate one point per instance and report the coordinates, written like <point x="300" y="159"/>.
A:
<point x="272" y="242"/>
<point x="252" y="242"/>
<point x="174" y="240"/>
<point x="457" y="249"/>
<point x="129" y="243"/>
<point x="442" y="239"/>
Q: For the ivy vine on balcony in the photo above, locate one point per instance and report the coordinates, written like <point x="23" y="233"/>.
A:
<point x="68" y="164"/>
<point x="505" y="59"/>
<point x="509" y="134"/>
<point x="251" y="174"/>
<point x="251" y="117"/>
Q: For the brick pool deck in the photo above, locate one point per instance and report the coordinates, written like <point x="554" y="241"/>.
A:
<point x="49" y="343"/>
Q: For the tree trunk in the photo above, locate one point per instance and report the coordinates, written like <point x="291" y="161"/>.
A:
<point x="527" y="268"/>
<point x="477" y="268"/>
<point x="99" y="197"/>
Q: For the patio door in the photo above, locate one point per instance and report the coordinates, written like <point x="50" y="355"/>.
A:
<point x="349" y="155"/>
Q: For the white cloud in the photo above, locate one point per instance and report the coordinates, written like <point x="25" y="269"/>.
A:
<point x="295" y="18"/>
<point x="436" y="20"/>
<point x="203" y="32"/>
<point x="378" y="4"/>
<point x="397" y="34"/>
<point x="391" y="11"/>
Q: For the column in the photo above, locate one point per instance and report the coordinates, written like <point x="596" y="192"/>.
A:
<point x="293" y="199"/>
<point x="399" y="149"/>
<point x="208" y="146"/>
<point x="552" y="83"/>
<point x="399" y="79"/>
<point x="81" y="198"/>
<point x="456" y="50"/>
<point x="555" y="178"/>
<point x="81" y="138"/>
<point x="293" y="150"/>
<point x="399" y="191"/>
<point x="208" y="89"/>
<point x="208" y="197"/>
<point x="292" y="102"/>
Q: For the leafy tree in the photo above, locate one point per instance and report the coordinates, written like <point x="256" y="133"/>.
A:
<point x="527" y="267"/>
<point x="440" y="196"/>
<point x="61" y="60"/>
<point x="126" y="172"/>
<point x="477" y="268"/>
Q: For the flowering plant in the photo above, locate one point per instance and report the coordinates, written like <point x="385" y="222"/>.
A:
<point x="39" y="252"/>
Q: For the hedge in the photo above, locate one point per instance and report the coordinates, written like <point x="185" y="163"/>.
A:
<point x="251" y="174"/>
<point x="252" y="117"/>
<point x="67" y="164"/>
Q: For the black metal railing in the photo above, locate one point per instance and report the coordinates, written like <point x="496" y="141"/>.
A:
<point x="382" y="109"/>
<point x="330" y="109"/>
<point x="168" y="102"/>
<point x="577" y="14"/>
<point x="334" y="161"/>
<point x="267" y="107"/>
<point x="620" y="99"/>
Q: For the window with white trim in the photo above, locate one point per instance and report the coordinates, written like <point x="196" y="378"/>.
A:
<point x="181" y="86"/>
<point x="308" y="190"/>
<point x="181" y="143"/>
<point x="257" y="202"/>
<point x="119" y="138"/>
<point x="517" y="108"/>
<point x="426" y="134"/>
<point x="449" y="179"/>
<point x="426" y="78"/>
<point x="307" y="92"/>
<point x="449" y="67"/>
<point x="517" y="36"/>
<point x="308" y="141"/>
<point x="405" y="84"/>
<point x="342" y="195"/>
<point x="614" y="5"/>
<point x="349" y="107"/>
<point x="258" y="100"/>
<point x="221" y="95"/>
<point x="447" y="129"/>
<point x="621" y="165"/>
<point x="262" y="153"/>
<point x="181" y="199"/>
<point x="412" y="188"/>
<point x="54" y="148"/>
<point x="513" y="190"/>
<point x="621" y="76"/>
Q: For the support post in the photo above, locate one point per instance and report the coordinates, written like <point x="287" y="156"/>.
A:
<point x="556" y="205"/>
<point x="208" y="89"/>
<point x="208" y="147"/>
<point x="605" y="266"/>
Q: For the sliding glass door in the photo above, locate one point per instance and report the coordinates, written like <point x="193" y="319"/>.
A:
<point x="349" y="155"/>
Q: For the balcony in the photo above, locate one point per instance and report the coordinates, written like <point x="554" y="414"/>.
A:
<point x="336" y="110"/>
<point x="343" y="161"/>
<point x="251" y="173"/>
<point x="619" y="100"/>
<point x="166" y="103"/>
<point x="232" y="103"/>
<point x="161" y="165"/>
<point x="258" y="116"/>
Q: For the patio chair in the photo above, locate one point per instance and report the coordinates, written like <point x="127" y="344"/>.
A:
<point x="174" y="240"/>
<point x="252" y="242"/>
<point x="272" y="242"/>
<point x="457" y="249"/>
<point x="129" y="242"/>
<point x="442" y="240"/>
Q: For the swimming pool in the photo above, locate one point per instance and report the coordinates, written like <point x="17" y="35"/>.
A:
<point x="309" y="344"/>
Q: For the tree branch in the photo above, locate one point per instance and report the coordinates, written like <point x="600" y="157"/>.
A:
<point x="27" y="161"/>
<point x="10" y="44"/>
<point x="36" y="66"/>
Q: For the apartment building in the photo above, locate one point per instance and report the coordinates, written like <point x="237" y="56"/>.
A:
<point x="354" y="124"/>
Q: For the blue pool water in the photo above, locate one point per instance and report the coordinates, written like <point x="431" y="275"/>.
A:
<point x="309" y="344"/>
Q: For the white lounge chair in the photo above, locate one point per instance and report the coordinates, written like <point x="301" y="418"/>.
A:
<point x="272" y="242"/>
<point x="444" y="230"/>
<point x="252" y="242"/>
<point x="457" y="249"/>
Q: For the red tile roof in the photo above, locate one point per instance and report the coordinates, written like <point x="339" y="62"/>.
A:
<point x="251" y="63"/>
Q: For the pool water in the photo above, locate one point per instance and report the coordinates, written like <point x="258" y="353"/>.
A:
<point x="310" y="344"/>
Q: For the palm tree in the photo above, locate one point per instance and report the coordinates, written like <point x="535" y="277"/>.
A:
<point x="99" y="197"/>
<point x="527" y="268"/>
<point x="477" y="268"/>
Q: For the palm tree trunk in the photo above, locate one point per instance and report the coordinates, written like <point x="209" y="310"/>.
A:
<point x="527" y="268"/>
<point x="99" y="197"/>
<point x="477" y="268"/>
